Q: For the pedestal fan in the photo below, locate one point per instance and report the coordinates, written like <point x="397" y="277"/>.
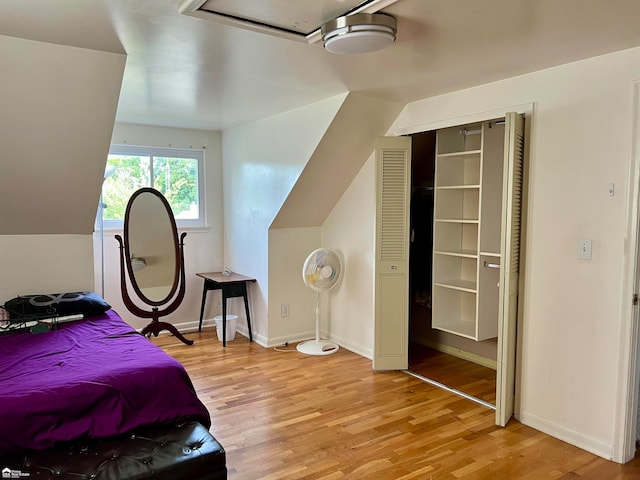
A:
<point x="321" y="272"/>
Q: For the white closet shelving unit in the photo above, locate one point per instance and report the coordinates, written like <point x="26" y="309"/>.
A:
<point x="467" y="224"/>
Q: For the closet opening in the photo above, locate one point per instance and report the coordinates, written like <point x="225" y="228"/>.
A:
<point x="450" y="344"/>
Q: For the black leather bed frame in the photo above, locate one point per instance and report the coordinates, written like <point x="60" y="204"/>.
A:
<point x="182" y="451"/>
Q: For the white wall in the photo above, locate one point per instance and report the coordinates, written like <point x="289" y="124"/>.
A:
<point x="581" y="136"/>
<point x="58" y="105"/>
<point x="203" y="248"/>
<point x="288" y="250"/>
<point x="45" y="264"/>
<point x="350" y="229"/>
<point x="52" y="153"/>
<point x="262" y="161"/>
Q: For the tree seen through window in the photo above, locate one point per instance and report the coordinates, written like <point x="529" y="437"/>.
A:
<point x="176" y="177"/>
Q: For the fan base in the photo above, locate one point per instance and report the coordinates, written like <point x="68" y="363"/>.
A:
<point x="317" y="347"/>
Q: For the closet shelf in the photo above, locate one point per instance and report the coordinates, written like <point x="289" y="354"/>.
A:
<point x="458" y="284"/>
<point x="490" y="254"/>
<point x="459" y="327"/>
<point x="467" y="153"/>
<point x="458" y="253"/>
<point x="458" y="187"/>
<point x="458" y="220"/>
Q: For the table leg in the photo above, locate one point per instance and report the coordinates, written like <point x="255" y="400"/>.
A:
<point x="204" y="299"/>
<point x="246" y="310"/>
<point x="224" y="318"/>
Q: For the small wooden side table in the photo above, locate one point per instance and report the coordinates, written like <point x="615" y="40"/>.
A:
<point x="233" y="285"/>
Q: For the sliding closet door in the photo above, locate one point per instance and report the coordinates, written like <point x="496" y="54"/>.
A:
<point x="393" y="168"/>
<point x="510" y="266"/>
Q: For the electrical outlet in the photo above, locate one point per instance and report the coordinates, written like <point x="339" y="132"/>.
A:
<point x="284" y="310"/>
<point x="584" y="249"/>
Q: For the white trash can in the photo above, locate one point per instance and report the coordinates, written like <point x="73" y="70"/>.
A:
<point x="232" y="321"/>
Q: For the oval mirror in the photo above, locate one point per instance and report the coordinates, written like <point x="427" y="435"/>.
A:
<point x="151" y="246"/>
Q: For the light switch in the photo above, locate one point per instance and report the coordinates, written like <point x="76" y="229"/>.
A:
<point x="584" y="249"/>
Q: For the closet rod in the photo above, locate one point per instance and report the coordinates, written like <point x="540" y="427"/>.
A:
<point x="464" y="131"/>
<point x="477" y="131"/>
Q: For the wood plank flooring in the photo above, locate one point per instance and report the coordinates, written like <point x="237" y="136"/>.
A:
<point x="291" y="416"/>
<point x="462" y="375"/>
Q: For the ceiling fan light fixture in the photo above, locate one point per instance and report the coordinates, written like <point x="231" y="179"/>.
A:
<point x="359" y="33"/>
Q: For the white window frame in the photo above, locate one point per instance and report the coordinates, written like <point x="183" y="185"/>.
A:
<point x="151" y="152"/>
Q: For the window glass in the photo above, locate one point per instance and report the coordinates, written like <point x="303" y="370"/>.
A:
<point x="177" y="180"/>
<point x="129" y="173"/>
<point x="177" y="174"/>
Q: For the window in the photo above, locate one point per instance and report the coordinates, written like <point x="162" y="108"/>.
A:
<point x="177" y="174"/>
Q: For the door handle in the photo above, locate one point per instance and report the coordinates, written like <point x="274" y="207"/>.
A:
<point x="491" y="265"/>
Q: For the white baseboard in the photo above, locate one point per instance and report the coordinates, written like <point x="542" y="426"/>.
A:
<point x="259" y="339"/>
<point x="591" y="445"/>
<point x="456" y="352"/>
<point x="190" y="327"/>
<point x="288" y="339"/>
<point x="187" y="327"/>
<point x="303" y="336"/>
<point x="184" y="327"/>
<point x="352" y="347"/>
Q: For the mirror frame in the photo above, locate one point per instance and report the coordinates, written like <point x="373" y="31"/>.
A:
<point x="175" y="248"/>
<point x="179" y="282"/>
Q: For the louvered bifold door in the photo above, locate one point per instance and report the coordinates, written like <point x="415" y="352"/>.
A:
<point x="393" y="164"/>
<point x="510" y="261"/>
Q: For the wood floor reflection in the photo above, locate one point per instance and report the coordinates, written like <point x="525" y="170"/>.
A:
<point x="462" y="375"/>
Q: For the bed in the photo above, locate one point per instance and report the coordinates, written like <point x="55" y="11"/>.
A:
<point x="95" y="388"/>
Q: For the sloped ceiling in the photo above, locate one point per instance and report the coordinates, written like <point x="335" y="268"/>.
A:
<point x="58" y="109"/>
<point x="343" y="150"/>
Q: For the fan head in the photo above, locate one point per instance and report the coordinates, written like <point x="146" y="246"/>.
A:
<point x="321" y="270"/>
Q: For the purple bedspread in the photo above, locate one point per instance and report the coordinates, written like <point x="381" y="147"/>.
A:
<point x="91" y="378"/>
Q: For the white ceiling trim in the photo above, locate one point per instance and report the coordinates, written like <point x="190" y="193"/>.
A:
<point x="192" y="9"/>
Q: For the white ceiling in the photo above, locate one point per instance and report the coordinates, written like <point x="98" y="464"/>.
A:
<point x="187" y="72"/>
<point x="299" y="18"/>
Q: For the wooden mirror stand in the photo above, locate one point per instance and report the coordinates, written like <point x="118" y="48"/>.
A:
<point x="152" y="256"/>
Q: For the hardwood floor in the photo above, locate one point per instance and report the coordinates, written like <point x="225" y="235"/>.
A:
<point x="462" y="375"/>
<point x="291" y="416"/>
